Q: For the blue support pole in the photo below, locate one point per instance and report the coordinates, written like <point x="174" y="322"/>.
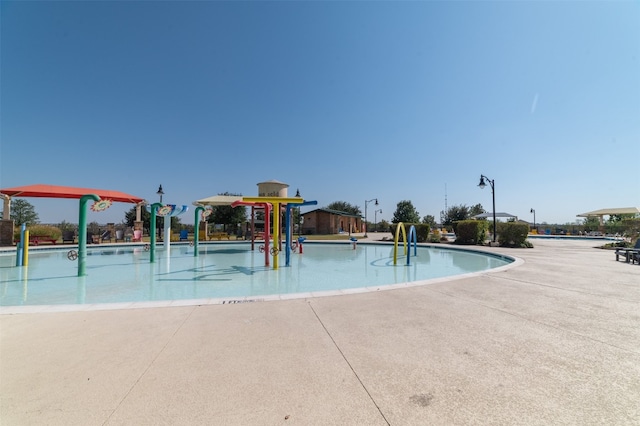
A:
<point x="287" y="224"/>
<point x="287" y="249"/>
<point x="20" y="246"/>
<point x="413" y="236"/>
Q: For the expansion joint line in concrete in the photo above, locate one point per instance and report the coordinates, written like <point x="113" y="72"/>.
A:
<point x="531" y="320"/>
<point x="569" y="290"/>
<point x="349" y="364"/>
<point x="153" y="361"/>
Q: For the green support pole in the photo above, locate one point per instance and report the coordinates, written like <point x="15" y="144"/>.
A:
<point x="197" y="230"/>
<point x="154" y="210"/>
<point x="82" y="232"/>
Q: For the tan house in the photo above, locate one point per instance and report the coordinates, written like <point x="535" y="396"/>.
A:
<point x="326" y="221"/>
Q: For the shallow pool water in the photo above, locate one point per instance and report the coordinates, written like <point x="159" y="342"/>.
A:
<point x="225" y="270"/>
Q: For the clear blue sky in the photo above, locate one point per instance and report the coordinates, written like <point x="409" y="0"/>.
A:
<point x="347" y="101"/>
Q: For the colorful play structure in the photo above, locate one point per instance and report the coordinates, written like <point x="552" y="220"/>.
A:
<point x="102" y="200"/>
<point x="412" y="236"/>
<point x="272" y="198"/>
<point x="167" y="211"/>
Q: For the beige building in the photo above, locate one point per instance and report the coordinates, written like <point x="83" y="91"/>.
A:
<point x="326" y="221"/>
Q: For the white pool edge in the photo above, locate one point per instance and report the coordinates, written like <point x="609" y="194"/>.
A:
<point x="38" y="309"/>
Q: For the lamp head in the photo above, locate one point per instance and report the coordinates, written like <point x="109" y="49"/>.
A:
<point x="160" y="191"/>
<point x="482" y="184"/>
<point x="532" y="210"/>
<point x="376" y="202"/>
<point x="297" y="192"/>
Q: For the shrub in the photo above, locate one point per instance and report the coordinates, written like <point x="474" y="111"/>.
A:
<point x="631" y="228"/>
<point x="94" y="228"/>
<point x="47" y="231"/>
<point x="512" y="234"/>
<point x="470" y="231"/>
<point x="66" y="226"/>
<point x="422" y="231"/>
<point x="435" y="237"/>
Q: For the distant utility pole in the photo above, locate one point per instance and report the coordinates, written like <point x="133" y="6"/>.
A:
<point x="445" y="197"/>
<point x="444" y="212"/>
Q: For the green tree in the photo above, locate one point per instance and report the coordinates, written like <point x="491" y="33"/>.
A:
<point x="406" y="213"/>
<point x="66" y="226"/>
<point x="176" y="224"/>
<point x="616" y="218"/>
<point x="476" y="210"/>
<point x="456" y="213"/>
<point x="591" y="223"/>
<point x="343" y="206"/>
<point x="23" y="211"/>
<point x="429" y="220"/>
<point x="94" y="228"/>
<point x="228" y="216"/>
<point x="295" y="216"/>
<point x="145" y="217"/>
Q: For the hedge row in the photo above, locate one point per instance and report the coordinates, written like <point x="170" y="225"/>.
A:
<point x="470" y="231"/>
<point x="422" y="231"/>
<point x="46" y="231"/>
<point x="512" y="234"/>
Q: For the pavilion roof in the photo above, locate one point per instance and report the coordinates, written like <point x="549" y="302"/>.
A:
<point x="56" y="191"/>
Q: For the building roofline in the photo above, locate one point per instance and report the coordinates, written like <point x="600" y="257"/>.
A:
<point x="336" y="212"/>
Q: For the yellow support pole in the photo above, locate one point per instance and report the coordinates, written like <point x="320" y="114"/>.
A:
<point x="275" y="201"/>
<point x="25" y="253"/>
<point x="276" y="233"/>
<point x="396" y="239"/>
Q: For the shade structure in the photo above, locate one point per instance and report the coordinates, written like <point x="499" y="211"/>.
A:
<point x="498" y="214"/>
<point x="55" y="191"/>
<point x="600" y="214"/>
<point x="218" y="200"/>
<point x="608" y="212"/>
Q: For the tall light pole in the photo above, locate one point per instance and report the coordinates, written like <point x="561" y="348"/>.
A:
<point x="482" y="184"/>
<point x="534" y="218"/>
<point x="365" y="213"/>
<point x="160" y="192"/>
<point x="375" y="219"/>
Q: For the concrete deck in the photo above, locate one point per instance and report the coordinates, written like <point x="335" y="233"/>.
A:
<point x="553" y="341"/>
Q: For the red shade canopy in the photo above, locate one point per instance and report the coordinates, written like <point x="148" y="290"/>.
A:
<point x="54" y="191"/>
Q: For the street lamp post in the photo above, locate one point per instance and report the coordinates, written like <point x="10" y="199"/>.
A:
<point x="482" y="184"/>
<point x="365" y="213"/>
<point x="534" y="218"/>
<point x="160" y="192"/>
<point x="375" y="219"/>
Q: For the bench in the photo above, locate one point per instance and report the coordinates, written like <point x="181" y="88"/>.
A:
<point x="630" y="254"/>
<point x="68" y="237"/>
<point x="35" y="239"/>
<point x="218" y="235"/>
<point x="258" y="236"/>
